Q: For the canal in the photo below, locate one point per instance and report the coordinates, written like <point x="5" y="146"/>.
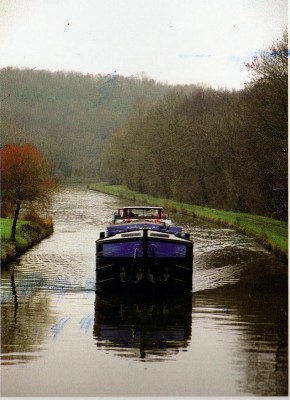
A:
<point x="229" y="337"/>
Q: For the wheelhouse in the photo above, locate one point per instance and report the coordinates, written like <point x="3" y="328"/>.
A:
<point x="145" y="212"/>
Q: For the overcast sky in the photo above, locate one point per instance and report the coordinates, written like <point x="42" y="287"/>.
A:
<point x="173" y="41"/>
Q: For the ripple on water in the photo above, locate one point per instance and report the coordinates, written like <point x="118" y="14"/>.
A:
<point x="55" y="272"/>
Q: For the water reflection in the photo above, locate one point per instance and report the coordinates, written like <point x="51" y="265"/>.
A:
<point x="236" y="333"/>
<point x="25" y="316"/>
<point x="253" y="322"/>
<point x="146" y="328"/>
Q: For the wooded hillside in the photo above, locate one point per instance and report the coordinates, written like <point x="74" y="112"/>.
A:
<point x="217" y="148"/>
<point x="69" y="115"/>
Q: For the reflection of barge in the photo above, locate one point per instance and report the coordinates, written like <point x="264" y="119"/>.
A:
<point x="155" y="328"/>
<point x="142" y="249"/>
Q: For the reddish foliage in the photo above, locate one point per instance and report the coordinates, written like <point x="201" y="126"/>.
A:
<point x="25" y="174"/>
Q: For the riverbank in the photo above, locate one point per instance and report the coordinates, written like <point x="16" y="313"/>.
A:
<point x="28" y="234"/>
<point x="271" y="233"/>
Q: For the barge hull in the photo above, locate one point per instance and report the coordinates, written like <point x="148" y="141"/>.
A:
<point x="144" y="259"/>
<point x="165" y="274"/>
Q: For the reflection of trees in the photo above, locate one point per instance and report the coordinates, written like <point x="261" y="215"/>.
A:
<point x="151" y="328"/>
<point x="24" y="319"/>
<point x="257" y="314"/>
<point x="266" y="345"/>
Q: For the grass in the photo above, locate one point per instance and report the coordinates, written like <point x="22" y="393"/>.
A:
<point x="28" y="233"/>
<point x="6" y="224"/>
<point x="271" y="233"/>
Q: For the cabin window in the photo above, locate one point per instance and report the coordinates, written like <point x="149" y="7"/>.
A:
<point x="141" y="213"/>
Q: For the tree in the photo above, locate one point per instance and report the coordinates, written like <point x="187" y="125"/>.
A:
<point x="25" y="178"/>
<point x="211" y="147"/>
<point x="267" y="121"/>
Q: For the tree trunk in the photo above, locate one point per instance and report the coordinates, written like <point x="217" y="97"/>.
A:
<point x="16" y="214"/>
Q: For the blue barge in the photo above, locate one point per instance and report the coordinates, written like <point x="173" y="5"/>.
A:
<point x="143" y="250"/>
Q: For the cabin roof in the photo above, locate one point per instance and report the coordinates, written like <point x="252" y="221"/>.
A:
<point x="143" y="207"/>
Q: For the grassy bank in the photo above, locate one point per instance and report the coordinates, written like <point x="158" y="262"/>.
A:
<point x="28" y="233"/>
<point x="271" y="233"/>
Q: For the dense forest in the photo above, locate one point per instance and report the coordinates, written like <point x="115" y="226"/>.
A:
<point x="219" y="148"/>
<point x="69" y="115"/>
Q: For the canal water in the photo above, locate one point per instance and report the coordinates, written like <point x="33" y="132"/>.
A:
<point x="229" y="337"/>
